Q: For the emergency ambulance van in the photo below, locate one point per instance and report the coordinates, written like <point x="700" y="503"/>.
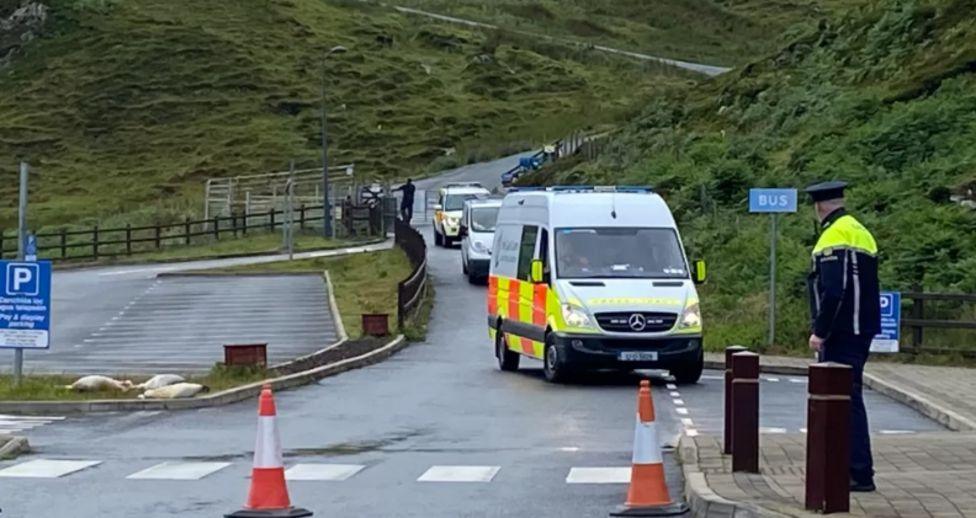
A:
<point x="589" y="278"/>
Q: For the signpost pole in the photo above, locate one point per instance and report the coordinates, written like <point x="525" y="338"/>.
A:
<point x="772" y="280"/>
<point x="21" y="252"/>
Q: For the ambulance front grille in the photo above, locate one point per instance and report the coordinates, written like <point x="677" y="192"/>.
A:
<point x="620" y="322"/>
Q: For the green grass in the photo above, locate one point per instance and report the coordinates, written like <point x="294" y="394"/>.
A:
<point x="364" y="283"/>
<point x="708" y="31"/>
<point x="52" y="387"/>
<point x="124" y="108"/>
<point x="883" y="97"/>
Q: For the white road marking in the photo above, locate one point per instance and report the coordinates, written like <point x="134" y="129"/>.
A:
<point x="598" y="476"/>
<point x="671" y="386"/>
<point x="675" y="394"/>
<point x="681" y="410"/>
<point x="897" y="432"/>
<point x="774" y="380"/>
<point x="179" y="471"/>
<point x="764" y="429"/>
<point x="329" y="472"/>
<point x="47" y="468"/>
<point x="711" y="377"/>
<point x="691" y="432"/>
<point x="687" y="421"/>
<point x="798" y="380"/>
<point x="569" y="449"/>
<point x="459" y="474"/>
<point x="678" y="402"/>
<point x="803" y="430"/>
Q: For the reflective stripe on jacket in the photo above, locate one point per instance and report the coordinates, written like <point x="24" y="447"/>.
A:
<point x="843" y="282"/>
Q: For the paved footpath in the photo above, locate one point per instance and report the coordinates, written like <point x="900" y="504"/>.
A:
<point x="929" y="474"/>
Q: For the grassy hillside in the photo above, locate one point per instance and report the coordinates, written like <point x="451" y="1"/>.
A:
<point x="718" y="32"/>
<point x="884" y="97"/>
<point x="123" y="108"/>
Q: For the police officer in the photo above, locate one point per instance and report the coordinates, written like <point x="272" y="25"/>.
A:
<point x="406" y="204"/>
<point x="846" y="309"/>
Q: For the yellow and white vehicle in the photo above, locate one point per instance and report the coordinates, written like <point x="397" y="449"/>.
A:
<point x="593" y="278"/>
<point x="450" y="207"/>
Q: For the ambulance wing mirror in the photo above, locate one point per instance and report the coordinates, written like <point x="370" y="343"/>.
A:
<point x="537" y="271"/>
<point x="438" y="206"/>
<point x="700" y="273"/>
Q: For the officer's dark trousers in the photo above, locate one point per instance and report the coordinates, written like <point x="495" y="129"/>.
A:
<point x="853" y="350"/>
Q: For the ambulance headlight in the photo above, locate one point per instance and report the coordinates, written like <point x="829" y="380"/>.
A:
<point x="691" y="317"/>
<point x="479" y="247"/>
<point x="451" y="220"/>
<point x="575" y="316"/>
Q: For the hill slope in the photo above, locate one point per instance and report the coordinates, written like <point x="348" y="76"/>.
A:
<point x="123" y="108"/>
<point x="884" y="97"/>
<point x="717" y="32"/>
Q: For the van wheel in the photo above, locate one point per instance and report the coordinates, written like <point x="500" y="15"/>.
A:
<point x="438" y="240"/>
<point x="689" y="373"/>
<point x="464" y="267"/>
<point x="507" y="360"/>
<point x="553" y="366"/>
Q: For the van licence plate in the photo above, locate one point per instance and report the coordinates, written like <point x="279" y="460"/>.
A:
<point x="637" y="356"/>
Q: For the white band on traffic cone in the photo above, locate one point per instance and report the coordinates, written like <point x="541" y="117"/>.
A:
<point x="267" y="450"/>
<point x="647" y="450"/>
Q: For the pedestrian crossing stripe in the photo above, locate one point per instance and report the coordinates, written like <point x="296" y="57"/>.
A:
<point x="17" y="423"/>
<point x="323" y="472"/>
<point x="179" y="471"/>
<point x="459" y="474"/>
<point x="47" y="468"/>
<point x="598" y="476"/>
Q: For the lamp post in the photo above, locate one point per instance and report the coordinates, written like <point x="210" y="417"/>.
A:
<point x="326" y="208"/>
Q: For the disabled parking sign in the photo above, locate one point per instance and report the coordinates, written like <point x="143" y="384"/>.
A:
<point x="25" y="305"/>
<point x="887" y="340"/>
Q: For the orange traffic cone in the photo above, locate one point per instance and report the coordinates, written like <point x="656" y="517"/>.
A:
<point x="269" y="494"/>
<point x="648" y="493"/>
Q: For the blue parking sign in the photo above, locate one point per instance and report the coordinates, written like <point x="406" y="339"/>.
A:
<point x="887" y="340"/>
<point x="25" y="305"/>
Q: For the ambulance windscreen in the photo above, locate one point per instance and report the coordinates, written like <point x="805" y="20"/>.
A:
<point x="612" y="252"/>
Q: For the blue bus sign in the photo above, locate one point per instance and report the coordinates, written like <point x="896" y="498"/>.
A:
<point x="887" y="340"/>
<point x="25" y="305"/>
<point x="772" y="200"/>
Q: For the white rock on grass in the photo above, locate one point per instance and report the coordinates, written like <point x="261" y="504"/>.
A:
<point x="92" y="383"/>
<point x="179" y="390"/>
<point x="160" y="381"/>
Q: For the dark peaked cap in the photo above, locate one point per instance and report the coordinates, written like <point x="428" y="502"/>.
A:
<point x="826" y="190"/>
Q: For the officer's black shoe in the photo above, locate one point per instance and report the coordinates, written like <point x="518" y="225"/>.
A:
<point x="860" y="487"/>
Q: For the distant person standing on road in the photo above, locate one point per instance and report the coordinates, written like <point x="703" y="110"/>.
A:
<point x="406" y="203"/>
<point x="844" y="301"/>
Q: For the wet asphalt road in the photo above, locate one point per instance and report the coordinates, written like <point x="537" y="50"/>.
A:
<point x="437" y="403"/>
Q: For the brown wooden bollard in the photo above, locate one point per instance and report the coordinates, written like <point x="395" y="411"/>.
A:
<point x="729" y="351"/>
<point x="828" y="438"/>
<point x="745" y="412"/>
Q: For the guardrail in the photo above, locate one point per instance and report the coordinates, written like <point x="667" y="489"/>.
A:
<point x="98" y="242"/>
<point x="410" y="291"/>
<point x="917" y="321"/>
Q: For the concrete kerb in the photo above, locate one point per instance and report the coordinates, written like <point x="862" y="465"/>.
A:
<point x="938" y="412"/>
<point x="225" y="397"/>
<point x="702" y="500"/>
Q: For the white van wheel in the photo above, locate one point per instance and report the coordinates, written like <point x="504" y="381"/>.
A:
<point x="507" y="360"/>
<point x="553" y="366"/>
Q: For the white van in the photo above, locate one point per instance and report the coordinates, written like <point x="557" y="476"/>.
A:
<point x="593" y="278"/>
<point x="477" y="237"/>
<point x="447" y="210"/>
